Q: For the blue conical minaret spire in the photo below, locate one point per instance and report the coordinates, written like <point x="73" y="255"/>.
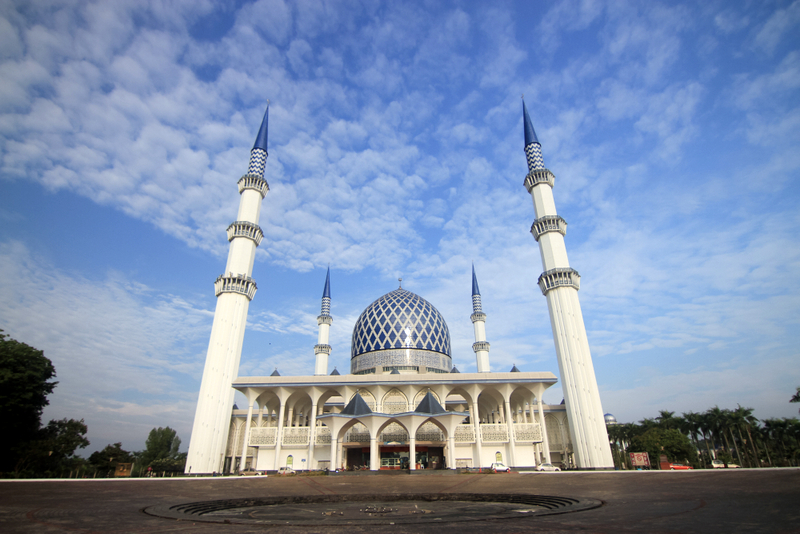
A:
<point x="258" y="155"/>
<point x="533" y="149"/>
<point x="476" y="293"/>
<point x="326" y="294"/>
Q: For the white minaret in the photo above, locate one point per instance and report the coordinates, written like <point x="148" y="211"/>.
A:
<point x="481" y="346"/>
<point x="560" y="284"/>
<point x="234" y="290"/>
<point x="322" y="350"/>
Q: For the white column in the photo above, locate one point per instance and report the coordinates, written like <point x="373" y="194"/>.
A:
<point x="545" y="439"/>
<point x="451" y="451"/>
<point x="312" y="437"/>
<point x="476" y="422"/>
<point x="334" y="448"/>
<point x="510" y="425"/>
<point x="246" y="436"/>
<point x="412" y="452"/>
<point x="279" y="435"/>
<point x="374" y="454"/>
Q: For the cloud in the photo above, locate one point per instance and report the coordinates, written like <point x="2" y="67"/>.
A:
<point x="110" y="340"/>
<point x="773" y="30"/>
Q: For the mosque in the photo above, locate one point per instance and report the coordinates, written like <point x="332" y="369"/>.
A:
<point x="404" y="405"/>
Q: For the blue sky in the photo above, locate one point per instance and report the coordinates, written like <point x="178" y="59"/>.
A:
<point x="396" y="151"/>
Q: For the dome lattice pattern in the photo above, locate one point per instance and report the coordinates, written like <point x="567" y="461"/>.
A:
<point x="400" y="319"/>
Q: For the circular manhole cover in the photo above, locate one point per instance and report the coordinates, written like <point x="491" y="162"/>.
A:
<point x="373" y="509"/>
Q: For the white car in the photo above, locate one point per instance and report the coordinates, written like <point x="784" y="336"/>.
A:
<point x="719" y="464"/>
<point x="286" y="471"/>
<point x="547" y="467"/>
<point x="500" y="467"/>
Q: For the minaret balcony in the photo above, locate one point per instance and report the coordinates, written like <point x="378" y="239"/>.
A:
<point x="244" y="285"/>
<point x="478" y="316"/>
<point x="324" y="319"/>
<point x="322" y="349"/>
<point x="481" y="345"/>
<point x="559" y="277"/>
<point x="254" y="181"/>
<point x="548" y="223"/>
<point x="539" y="176"/>
<point x="245" y="229"/>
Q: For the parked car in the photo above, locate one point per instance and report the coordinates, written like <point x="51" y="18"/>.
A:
<point x="500" y="467"/>
<point x="286" y="471"/>
<point x="679" y="467"/>
<point x="547" y="467"/>
<point x="719" y="464"/>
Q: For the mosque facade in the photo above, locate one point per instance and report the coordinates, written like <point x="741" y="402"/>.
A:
<point x="404" y="405"/>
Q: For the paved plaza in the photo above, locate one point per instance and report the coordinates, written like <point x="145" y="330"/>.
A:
<point x="766" y="500"/>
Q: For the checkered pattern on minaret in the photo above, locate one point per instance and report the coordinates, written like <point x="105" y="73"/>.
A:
<point x="326" y="306"/>
<point x="533" y="153"/>
<point x="476" y="304"/>
<point x="258" y="160"/>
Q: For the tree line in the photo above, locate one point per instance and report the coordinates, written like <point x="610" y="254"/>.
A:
<point x="731" y="436"/>
<point x="29" y="449"/>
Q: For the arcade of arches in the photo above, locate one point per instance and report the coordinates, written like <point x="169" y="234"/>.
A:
<point x="292" y="421"/>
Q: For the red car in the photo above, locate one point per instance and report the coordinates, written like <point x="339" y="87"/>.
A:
<point x="679" y="467"/>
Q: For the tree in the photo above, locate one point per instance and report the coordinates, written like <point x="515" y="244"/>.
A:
<point x="53" y="451"/>
<point x="25" y="381"/>
<point x="106" y="459"/>
<point x="162" y="443"/>
<point x="796" y="397"/>
<point x="670" y="442"/>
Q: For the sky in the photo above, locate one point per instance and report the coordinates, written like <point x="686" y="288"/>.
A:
<point x="396" y="151"/>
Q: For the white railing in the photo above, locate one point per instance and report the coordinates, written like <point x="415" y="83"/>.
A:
<point x="322" y="435"/>
<point x="494" y="433"/>
<point x="465" y="434"/>
<point x="429" y="432"/>
<point x="527" y="432"/>
<point x="296" y="435"/>
<point x="263" y="437"/>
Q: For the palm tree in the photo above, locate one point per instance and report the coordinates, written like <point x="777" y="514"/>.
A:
<point x="705" y="424"/>
<point x="691" y="425"/>
<point x="667" y="420"/>
<point x="748" y="421"/>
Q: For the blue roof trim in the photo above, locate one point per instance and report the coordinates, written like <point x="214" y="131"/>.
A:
<point x="261" y="138"/>
<point x="326" y="293"/>
<point x="530" y="133"/>
<point x="475" y="289"/>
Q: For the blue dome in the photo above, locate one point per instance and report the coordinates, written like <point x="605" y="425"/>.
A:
<point x="398" y="320"/>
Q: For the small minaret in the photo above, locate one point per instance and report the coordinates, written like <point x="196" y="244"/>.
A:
<point x="481" y="346"/>
<point x="234" y="290"/>
<point x="560" y="283"/>
<point x="322" y="350"/>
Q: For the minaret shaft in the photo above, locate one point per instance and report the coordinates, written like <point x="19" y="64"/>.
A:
<point x="560" y="284"/>
<point x="234" y="289"/>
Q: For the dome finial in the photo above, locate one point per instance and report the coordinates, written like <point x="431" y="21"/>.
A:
<point x="401" y="283"/>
